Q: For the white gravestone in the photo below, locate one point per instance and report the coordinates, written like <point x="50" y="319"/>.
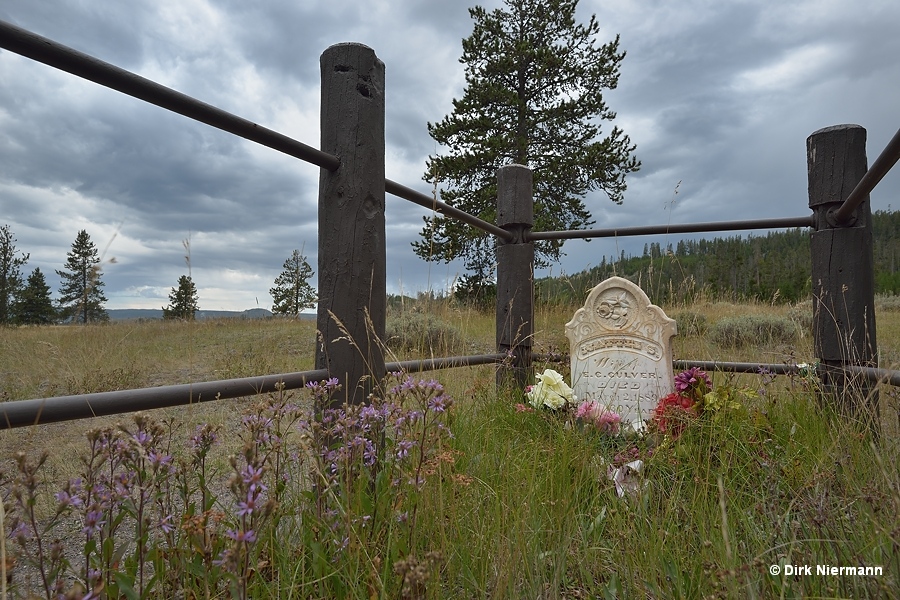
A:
<point x="621" y="347"/>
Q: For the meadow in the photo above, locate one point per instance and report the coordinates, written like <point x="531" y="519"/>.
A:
<point x="439" y="490"/>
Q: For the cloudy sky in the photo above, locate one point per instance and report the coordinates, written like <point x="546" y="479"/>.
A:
<point x="719" y="97"/>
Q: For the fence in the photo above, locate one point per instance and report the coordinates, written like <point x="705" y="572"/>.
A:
<point x="352" y="188"/>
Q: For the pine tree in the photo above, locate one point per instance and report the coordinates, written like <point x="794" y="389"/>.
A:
<point x="292" y="292"/>
<point x="81" y="295"/>
<point x="10" y="274"/>
<point x="183" y="300"/>
<point x="534" y="96"/>
<point x="33" y="305"/>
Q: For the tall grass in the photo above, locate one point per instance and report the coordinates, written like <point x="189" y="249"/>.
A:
<point x="515" y="504"/>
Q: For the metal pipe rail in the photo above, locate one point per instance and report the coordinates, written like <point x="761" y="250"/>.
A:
<point x="448" y="362"/>
<point x="426" y="201"/>
<point x="738" y="367"/>
<point x="41" y="49"/>
<point x="21" y="413"/>
<point x="64" y="58"/>
<point x="782" y="223"/>
<point x="884" y="163"/>
<point x="872" y="374"/>
<point x="887" y="376"/>
<point x="728" y="367"/>
<point x="39" y="411"/>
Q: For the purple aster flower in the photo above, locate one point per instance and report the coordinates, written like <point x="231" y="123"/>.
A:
<point x="65" y="499"/>
<point x="224" y="558"/>
<point x="142" y="437"/>
<point x="252" y="476"/>
<point x="93" y="521"/>
<point x="165" y="524"/>
<point x="246" y="507"/>
<point x="439" y="403"/>
<point x="21" y="533"/>
<point x="248" y="536"/>
<point x="403" y="448"/>
<point x="158" y="459"/>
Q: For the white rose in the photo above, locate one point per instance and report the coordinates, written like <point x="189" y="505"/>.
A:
<point x="550" y="390"/>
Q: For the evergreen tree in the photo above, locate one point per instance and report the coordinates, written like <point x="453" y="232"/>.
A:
<point x="10" y="275"/>
<point x="81" y="295"/>
<point x="292" y="292"/>
<point x="33" y="305"/>
<point x="183" y="301"/>
<point x="534" y="96"/>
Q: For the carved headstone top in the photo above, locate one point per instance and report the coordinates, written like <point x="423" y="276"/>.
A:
<point x="621" y="350"/>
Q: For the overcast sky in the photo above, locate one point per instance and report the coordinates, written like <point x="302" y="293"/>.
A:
<point x="719" y="97"/>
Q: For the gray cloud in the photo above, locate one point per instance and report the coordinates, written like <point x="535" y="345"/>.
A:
<point x="718" y="96"/>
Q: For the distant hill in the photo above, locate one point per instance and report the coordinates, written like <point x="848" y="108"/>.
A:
<point x="126" y="314"/>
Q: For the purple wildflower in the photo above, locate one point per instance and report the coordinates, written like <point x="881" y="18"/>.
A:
<point x="691" y="380"/>
<point x="439" y="403"/>
<point x="159" y="460"/>
<point x="246" y="507"/>
<point x="252" y="476"/>
<point x="124" y="481"/>
<point x="65" y="499"/>
<point x="204" y="437"/>
<point x="403" y="448"/>
<point x="165" y="524"/>
<point x="142" y="438"/>
<point x="248" y="536"/>
<point x="21" y="533"/>
<point x="93" y="521"/>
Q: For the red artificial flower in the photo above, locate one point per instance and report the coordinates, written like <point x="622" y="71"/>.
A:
<point x="673" y="413"/>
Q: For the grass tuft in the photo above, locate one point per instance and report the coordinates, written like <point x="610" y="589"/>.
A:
<point x="754" y="330"/>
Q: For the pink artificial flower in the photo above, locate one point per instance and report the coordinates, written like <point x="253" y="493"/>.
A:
<point x="608" y="422"/>
<point x="594" y="413"/>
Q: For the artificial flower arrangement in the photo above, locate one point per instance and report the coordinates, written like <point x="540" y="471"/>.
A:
<point x="694" y="397"/>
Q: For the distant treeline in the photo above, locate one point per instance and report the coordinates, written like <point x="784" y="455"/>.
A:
<point x="774" y="267"/>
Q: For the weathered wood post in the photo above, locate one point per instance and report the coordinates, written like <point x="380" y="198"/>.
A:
<point x="515" y="275"/>
<point x="351" y="308"/>
<point x="843" y="280"/>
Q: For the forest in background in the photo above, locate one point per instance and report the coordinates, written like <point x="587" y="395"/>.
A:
<point x="771" y="268"/>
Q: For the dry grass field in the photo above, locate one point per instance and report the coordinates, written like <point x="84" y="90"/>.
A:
<point x="39" y="362"/>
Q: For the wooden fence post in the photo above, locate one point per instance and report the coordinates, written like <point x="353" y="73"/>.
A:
<point x="843" y="280"/>
<point x="352" y="258"/>
<point x="515" y="275"/>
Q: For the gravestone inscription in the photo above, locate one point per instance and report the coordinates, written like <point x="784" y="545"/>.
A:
<point x="621" y="350"/>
